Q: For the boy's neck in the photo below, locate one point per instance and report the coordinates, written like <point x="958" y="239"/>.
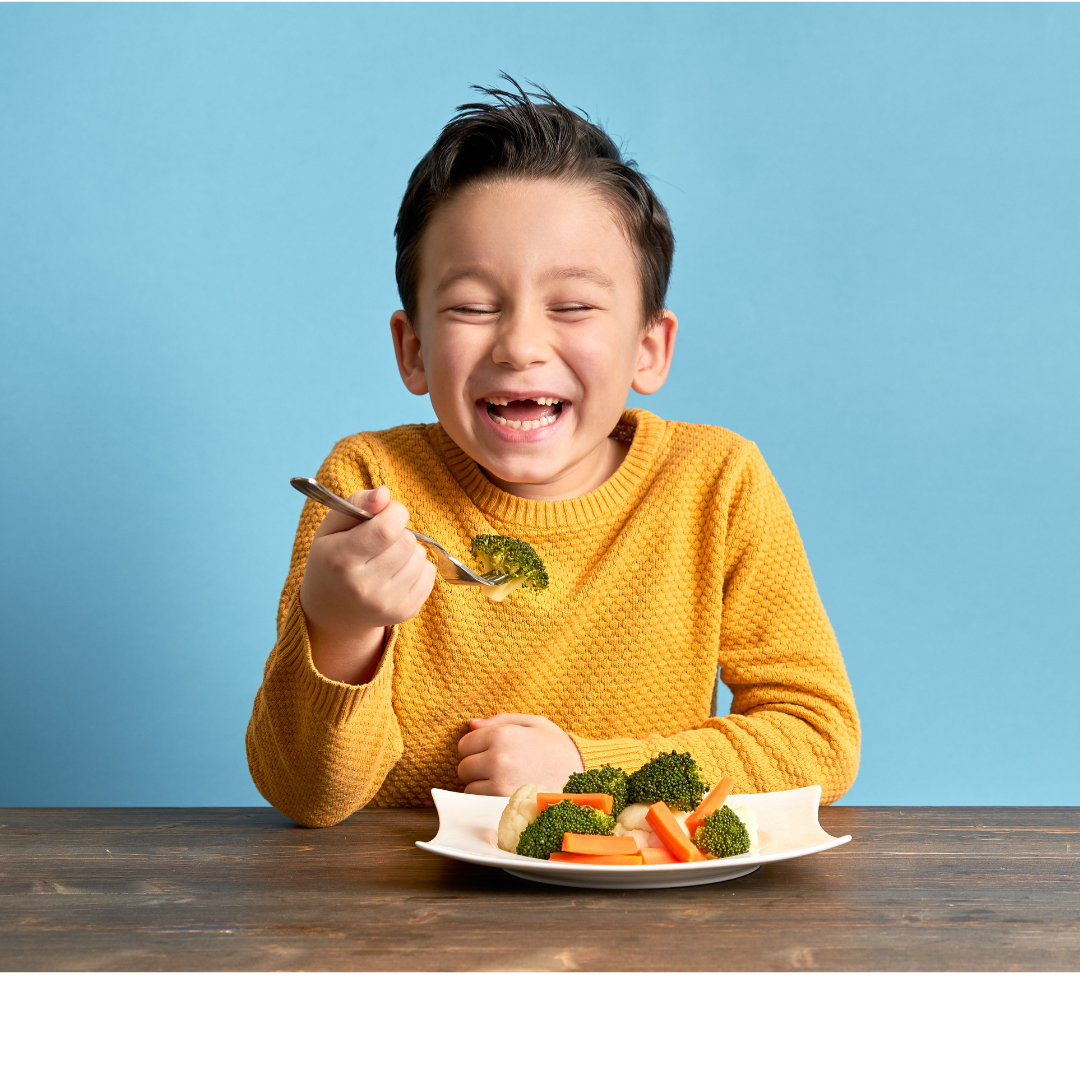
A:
<point x="584" y="478"/>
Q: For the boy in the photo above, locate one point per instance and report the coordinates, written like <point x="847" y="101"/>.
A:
<point x="532" y="266"/>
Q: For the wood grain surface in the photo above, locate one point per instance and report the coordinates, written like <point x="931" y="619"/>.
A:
<point x="918" y="889"/>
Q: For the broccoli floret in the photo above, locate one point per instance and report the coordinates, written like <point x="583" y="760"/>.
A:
<point x="544" y="834"/>
<point x="607" y="780"/>
<point x="506" y="555"/>
<point x="722" y="834"/>
<point x="672" y="778"/>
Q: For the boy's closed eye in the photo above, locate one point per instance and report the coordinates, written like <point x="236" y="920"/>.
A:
<point x="567" y="309"/>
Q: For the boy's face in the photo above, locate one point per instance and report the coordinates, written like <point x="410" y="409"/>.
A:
<point x="529" y="335"/>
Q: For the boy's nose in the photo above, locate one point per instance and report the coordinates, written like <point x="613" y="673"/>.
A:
<point x="520" y="343"/>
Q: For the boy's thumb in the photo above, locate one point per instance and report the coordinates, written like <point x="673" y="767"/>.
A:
<point x="372" y="501"/>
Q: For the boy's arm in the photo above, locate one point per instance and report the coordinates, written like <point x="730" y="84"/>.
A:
<point x="319" y="750"/>
<point x="793" y="721"/>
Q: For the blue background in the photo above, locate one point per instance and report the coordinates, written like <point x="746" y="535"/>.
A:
<point x="878" y="280"/>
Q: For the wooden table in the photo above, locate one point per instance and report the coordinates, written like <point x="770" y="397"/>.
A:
<point x="918" y="889"/>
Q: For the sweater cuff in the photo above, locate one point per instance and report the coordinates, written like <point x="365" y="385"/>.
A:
<point x="332" y="701"/>
<point x="626" y="754"/>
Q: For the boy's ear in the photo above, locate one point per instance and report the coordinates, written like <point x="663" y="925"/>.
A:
<point x="654" y="360"/>
<point x="410" y="362"/>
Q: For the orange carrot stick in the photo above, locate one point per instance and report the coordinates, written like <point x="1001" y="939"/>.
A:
<point x="595" y="860"/>
<point x="656" y="856"/>
<point x="597" y="799"/>
<point x="711" y="803"/>
<point x="671" y="835"/>
<point x="584" y="844"/>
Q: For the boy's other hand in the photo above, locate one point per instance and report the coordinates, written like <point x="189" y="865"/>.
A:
<point x="361" y="578"/>
<point x="503" y="752"/>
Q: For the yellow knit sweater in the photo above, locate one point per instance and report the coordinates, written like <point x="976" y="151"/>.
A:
<point x="687" y="558"/>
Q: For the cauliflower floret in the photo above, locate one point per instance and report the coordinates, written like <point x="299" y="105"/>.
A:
<point x="642" y="837"/>
<point x="520" y="811"/>
<point x="633" y="822"/>
<point x="633" y="818"/>
<point x="749" y="819"/>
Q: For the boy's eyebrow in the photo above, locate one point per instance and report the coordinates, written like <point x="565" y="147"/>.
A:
<point x="580" y="273"/>
<point x="454" y="276"/>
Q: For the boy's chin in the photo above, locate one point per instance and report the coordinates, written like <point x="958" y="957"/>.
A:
<point x="516" y="472"/>
<point x="546" y="458"/>
<point x="527" y="467"/>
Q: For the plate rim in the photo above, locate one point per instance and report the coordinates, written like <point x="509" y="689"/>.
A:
<point x="505" y="860"/>
<point x="508" y="859"/>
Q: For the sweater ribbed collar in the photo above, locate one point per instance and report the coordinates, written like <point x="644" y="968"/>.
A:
<point x="605" y="502"/>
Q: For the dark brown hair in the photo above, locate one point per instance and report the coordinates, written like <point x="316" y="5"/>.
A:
<point x="531" y="135"/>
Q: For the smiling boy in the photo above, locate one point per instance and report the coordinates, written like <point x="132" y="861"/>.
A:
<point x="532" y="266"/>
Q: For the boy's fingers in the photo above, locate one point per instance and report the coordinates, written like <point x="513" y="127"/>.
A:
<point x="373" y="502"/>
<point x="402" y="573"/>
<point x="397" y="581"/>
<point x="422" y="586"/>
<point x="404" y="577"/>
<point x="474" y="767"/>
<point x="385" y="528"/>
<point x="382" y="535"/>
<point x="385" y="561"/>
<point x="475" y="742"/>
<point x="501" y="719"/>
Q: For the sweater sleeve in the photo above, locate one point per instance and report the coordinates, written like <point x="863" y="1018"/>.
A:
<point x="793" y="721"/>
<point x="319" y="750"/>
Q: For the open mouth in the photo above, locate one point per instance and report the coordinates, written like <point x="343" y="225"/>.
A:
<point x="524" y="414"/>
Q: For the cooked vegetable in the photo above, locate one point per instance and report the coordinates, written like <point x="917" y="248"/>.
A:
<point x="602" y="802"/>
<point x="722" y="834"/>
<point x="578" y="826"/>
<point x="509" y="556"/>
<point x="670" y="778"/>
<point x="713" y="801"/>
<point x="599" y="845"/>
<point x="656" y="856"/>
<point x="544" y="835"/>
<point x="607" y="779"/>
<point x="596" y="860"/>
<point x="520" y="810"/>
<point x="634" y="821"/>
<point x="668" y="829"/>
<point x="749" y="819"/>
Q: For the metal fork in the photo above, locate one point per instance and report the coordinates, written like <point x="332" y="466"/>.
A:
<point x="453" y="572"/>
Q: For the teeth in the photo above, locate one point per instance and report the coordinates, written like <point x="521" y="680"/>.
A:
<point x="525" y="425"/>
<point x="539" y="401"/>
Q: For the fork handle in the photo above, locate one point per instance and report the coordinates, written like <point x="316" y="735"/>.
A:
<point x="317" y="493"/>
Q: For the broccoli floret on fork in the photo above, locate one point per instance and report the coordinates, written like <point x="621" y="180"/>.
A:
<point x="513" y="558"/>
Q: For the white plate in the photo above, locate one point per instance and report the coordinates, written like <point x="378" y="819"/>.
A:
<point x="787" y="828"/>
